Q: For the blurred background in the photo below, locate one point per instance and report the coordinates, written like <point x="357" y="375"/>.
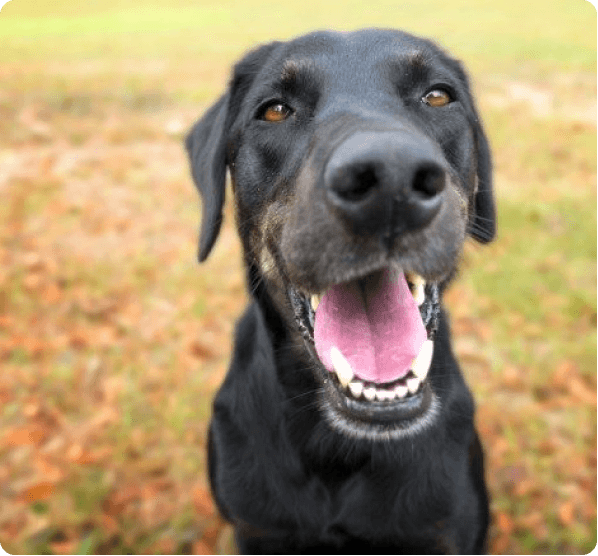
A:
<point x="113" y="339"/>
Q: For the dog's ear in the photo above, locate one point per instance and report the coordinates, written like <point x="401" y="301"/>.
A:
<point x="483" y="225"/>
<point x="207" y="146"/>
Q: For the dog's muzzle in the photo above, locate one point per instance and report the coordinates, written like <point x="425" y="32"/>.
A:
<point x="371" y="341"/>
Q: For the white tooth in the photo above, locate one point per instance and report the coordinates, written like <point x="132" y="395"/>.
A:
<point x="384" y="394"/>
<point x="369" y="393"/>
<point x="356" y="388"/>
<point x="418" y="288"/>
<point x="418" y="280"/>
<point x="401" y="390"/>
<point x="342" y="368"/>
<point x="413" y="385"/>
<point x="421" y="364"/>
<point x="418" y="295"/>
<point x="315" y="301"/>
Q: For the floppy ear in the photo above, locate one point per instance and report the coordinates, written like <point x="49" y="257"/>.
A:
<point x="483" y="227"/>
<point x="206" y="147"/>
<point x="483" y="215"/>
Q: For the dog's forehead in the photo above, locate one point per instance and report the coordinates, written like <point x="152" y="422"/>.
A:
<point x="328" y="52"/>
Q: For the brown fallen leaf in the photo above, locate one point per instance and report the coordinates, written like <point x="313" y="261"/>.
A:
<point x="582" y="391"/>
<point x="51" y="293"/>
<point x="32" y="281"/>
<point x="33" y="433"/>
<point x="499" y="544"/>
<point x="511" y="376"/>
<point x="5" y="321"/>
<point x="567" y="513"/>
<point x="536" y="522"/>
<point x="504" y="523"/>
<point x="109" y="524"/>
<point x="564" y="370"/>
<point x="64" y="547"/>
<point x="199" y="350"/>
<point x="200" y="547"/>
<point x="39" y="491"/>
<point x="202" y="501"/>
<point x="48" y="470"/>
<point x="210" y="534"/>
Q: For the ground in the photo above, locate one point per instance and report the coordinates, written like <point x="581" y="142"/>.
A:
<point x="113" y="339"/>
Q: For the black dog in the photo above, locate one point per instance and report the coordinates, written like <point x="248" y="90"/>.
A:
<point x="358" y="166"/>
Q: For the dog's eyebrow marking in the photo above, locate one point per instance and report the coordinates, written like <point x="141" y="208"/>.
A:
<point x="294" y="68"/>
<point x="416" y="58"/>
<point x="413" y="67"/>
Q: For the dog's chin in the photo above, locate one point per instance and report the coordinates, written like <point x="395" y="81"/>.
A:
<point x="375" y="410"/>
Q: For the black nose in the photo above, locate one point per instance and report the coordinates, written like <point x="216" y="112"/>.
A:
<point x="385" y="182"/>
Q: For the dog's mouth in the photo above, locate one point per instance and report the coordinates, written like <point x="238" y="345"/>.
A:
<point x="372" y="340"/>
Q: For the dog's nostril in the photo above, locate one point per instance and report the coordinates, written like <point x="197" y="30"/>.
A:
<point x="364" y="182"/>
<point x="355" y="184"/>
<point x="429" y="181"/>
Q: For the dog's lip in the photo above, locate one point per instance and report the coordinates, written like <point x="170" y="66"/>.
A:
<point x="398" y="411"/>
<point x="359" y="272"/>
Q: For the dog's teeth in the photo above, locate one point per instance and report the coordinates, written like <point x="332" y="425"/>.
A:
<point x="315" y="301"/>
<point x="342" y="368"/>
<point x="419" y="295"/>
<point x="413" y="385"/>
<point x="383" y="395"/>
<point x="421" y="364"/>
<point x="369" y="393"/>
<point x="356" y="388"/>
<point x="401" y="390"/>
<point x="418" y="288"/>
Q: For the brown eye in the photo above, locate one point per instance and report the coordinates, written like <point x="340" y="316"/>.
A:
<point x="276" y="112"/>
<point x="437" y="97"/>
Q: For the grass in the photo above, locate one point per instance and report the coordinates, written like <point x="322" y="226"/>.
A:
<point x="113" y="340"/>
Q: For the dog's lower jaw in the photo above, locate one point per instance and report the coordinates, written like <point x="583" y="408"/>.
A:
<point x="426" y="406"/>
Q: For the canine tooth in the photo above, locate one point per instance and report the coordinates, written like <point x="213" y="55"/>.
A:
<point x="412" y="385"/>
<point x="315" y="301"/>
<point x="369" y="393"/>
<point x="401" y="390"/>
<point x="342" y="368"/>
<point x="421" y="364"/>
<point x="418" y="288"/>
<point x="418" y="294"/>
<point x="356" y="388"/>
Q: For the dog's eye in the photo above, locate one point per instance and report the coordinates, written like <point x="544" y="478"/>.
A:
<point x="275" y="112"/>
<point x="437" y="97"/>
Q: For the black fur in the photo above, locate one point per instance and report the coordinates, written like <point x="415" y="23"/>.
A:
<point x="287" y="479"/>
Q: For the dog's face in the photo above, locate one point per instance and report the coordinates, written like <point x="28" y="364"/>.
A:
<point x="358" y="166"/>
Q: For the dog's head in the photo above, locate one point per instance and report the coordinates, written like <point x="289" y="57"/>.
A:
<point x="358" y="165"/>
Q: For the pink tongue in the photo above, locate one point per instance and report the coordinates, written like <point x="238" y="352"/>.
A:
<point x="379" y="337"/>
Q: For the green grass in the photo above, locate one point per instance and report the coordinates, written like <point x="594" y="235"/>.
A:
<point x="133" y="337"/>
<point x="564" y="32"/>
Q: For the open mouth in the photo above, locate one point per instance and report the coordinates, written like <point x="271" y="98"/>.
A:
<point x="372" y="340"/>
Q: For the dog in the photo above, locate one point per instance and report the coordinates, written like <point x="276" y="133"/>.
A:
<point x="358" y="166"/>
